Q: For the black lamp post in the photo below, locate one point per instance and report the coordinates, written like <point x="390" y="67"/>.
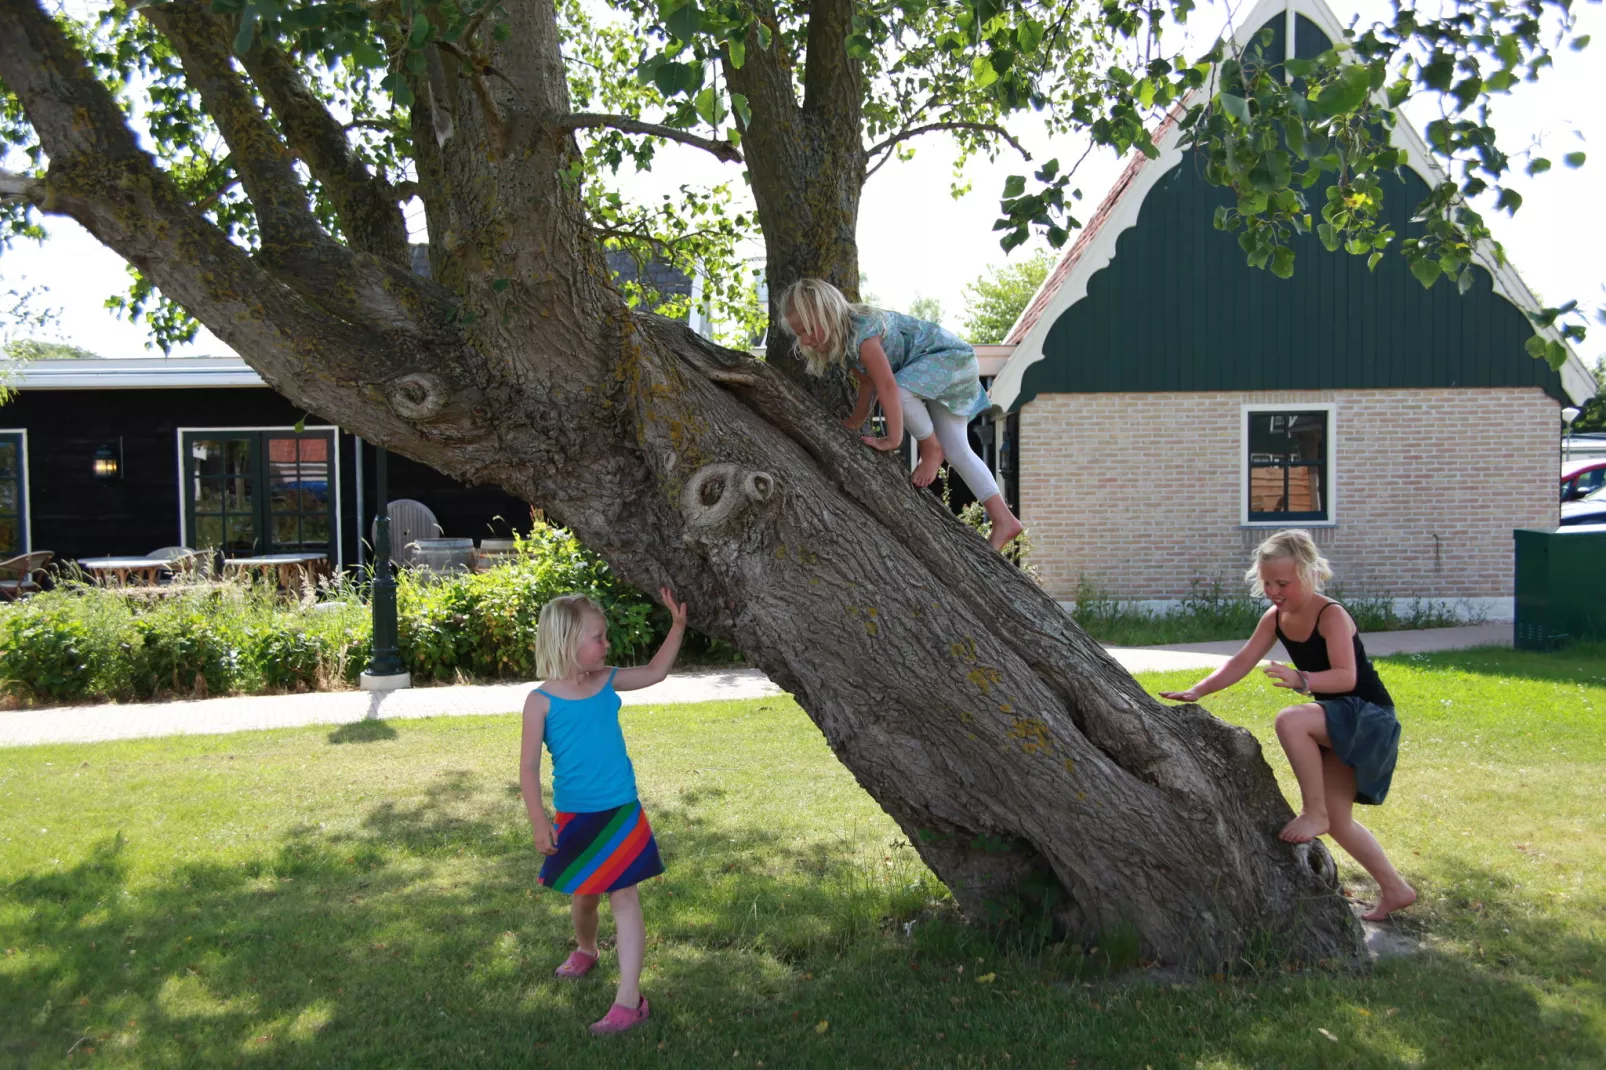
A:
<point x="385" y="671"/>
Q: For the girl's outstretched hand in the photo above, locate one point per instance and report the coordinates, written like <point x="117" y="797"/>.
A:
<point x="1190" y="695"/>
<point x="882" y="444"/>
<point x="677" y="610"/>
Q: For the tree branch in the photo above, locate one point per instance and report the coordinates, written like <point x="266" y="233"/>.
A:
<point x="722" y="150"/>
<point x="15" y="187"/>
<point x="266" y="169"/>
<point x="100" y="177"/>
<point x="992" y="128"/>
<point x="830" y="76"/>
<point x="365" y="203"/>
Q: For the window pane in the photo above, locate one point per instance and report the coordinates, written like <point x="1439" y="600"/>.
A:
<point x="8" y="496"/>
<point x="237" y="494"/>
<point x="209" y="532"/>
<point x="1266" y="490"/>
<point x="237" y="455"/>
<point x="241" y="534"/>
<point x="1287" y="465"/>
<point x="208" y="496"/>
<point x="10" y="537"/>
<point x="8" y="459"/>
<point x="315" y="532"/>
<point x="286" y="530"/>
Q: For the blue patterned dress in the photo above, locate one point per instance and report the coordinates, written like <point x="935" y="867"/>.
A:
<point x="928" y="361"/>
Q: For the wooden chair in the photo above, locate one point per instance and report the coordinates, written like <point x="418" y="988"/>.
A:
<point x="409" y="521"/>
<point x="17" y="575"/>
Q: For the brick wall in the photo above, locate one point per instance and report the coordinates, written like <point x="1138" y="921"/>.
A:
<point x="1141" y="494"/>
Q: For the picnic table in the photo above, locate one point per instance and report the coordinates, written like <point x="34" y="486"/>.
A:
<point x="286" y="570"/>
<point x="123" y="569"/>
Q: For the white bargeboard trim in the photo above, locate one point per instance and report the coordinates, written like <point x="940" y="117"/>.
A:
<point x="1576" y="378"/>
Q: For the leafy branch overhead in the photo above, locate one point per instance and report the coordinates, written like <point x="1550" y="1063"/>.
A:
<point x="1303" y="144"/>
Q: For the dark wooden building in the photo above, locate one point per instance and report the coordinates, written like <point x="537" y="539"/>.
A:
<point x="118" y="457"/>
<point x="206" y="455"/>
<point x="1173" y="405"/>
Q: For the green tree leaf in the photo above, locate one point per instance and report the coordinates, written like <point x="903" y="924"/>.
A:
<point x="1235" y="106"/>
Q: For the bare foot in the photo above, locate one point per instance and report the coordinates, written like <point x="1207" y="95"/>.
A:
<point x="1389" y="902"/>
<point x="1002" y="533"/>
<point x="1304" y="828"/>
<point x="930" y="461"/>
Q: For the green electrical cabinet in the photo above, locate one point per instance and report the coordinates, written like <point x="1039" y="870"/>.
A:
<point x="1561" y="586"/>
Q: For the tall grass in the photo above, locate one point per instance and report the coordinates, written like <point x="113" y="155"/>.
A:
<point x="1210" y="614"/>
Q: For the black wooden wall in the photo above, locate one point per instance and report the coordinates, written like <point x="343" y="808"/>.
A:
<point x="75" y="515"/>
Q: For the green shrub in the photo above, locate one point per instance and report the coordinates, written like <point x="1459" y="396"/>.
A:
<point x="484" y="624"/>
<point x="45" y="653"/>
<point x="186" y="653"/>
<point x="83" y="642"/>
<point x="287" y="657"/>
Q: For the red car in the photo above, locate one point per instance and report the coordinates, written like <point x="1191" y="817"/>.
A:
<point x="1579" y="478"/>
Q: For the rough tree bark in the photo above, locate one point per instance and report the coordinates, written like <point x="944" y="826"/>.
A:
<point x="961" y="697"/>
<point x="806" y="161"/>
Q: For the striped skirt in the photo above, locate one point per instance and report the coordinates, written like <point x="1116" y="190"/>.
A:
<point x="602" y="852"/>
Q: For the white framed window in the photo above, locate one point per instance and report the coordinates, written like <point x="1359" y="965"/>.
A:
<point x="248" y="491"/>
<point x="1287" y="469"/>
<point x="16" y="528"/>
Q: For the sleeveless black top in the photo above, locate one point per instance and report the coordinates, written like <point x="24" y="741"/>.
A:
<point x="1310" y="656"/>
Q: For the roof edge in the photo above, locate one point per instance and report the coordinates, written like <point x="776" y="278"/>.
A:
<point x="134" y="373"/>
<point x="1066" y="284"/>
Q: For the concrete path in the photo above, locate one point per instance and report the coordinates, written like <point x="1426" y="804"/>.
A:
<point x="1212" y="655"/>
<point x="245" y="713"/>
<point x="85" y="724"/>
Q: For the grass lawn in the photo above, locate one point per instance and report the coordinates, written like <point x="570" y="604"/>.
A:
<point x="364" y="896"/>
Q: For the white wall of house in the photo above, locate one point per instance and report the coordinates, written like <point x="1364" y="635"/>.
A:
<point x="1143" y="494"/>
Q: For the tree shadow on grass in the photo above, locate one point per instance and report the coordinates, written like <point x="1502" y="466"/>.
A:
<point x="419" y="939"/>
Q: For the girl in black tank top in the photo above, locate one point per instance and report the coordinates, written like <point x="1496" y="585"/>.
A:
<point x="1343" y="743"/>
<point x="1310" y="657"/>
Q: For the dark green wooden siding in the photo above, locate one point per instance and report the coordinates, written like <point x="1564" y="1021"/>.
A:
<point x="1178" y="309"/>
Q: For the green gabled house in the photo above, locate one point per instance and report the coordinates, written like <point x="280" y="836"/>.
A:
<point x="1167" y="405"/>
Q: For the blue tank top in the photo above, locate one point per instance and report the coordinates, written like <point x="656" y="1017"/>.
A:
<point x="590" y="769"/>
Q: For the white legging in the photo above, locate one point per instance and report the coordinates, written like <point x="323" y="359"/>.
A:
<point x="921" y="418"/>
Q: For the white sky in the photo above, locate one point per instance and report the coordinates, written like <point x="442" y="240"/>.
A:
<point x="915" y="239"/>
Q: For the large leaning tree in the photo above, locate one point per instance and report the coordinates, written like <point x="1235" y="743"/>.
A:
<point x="250" y="160"/>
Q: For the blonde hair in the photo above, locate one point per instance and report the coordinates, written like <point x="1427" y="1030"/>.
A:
<point x="1296" y="545"/>
<point x="557" y="635"/>
<point x="821" y="307"/>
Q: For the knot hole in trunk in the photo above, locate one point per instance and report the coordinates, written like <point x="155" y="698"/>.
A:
<point x="417" y="395"/>
<point x="717" y="494"/>
<point x="1316" y="860"/>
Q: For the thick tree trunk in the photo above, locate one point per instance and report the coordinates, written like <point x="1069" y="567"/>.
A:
<point x="1000" y="738"/>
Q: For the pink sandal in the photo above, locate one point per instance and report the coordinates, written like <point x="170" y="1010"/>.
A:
<point x="620" y="1019"/>
<point x="576" y="966"/>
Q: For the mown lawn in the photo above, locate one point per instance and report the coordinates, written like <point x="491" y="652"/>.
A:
<point x="363" y="896"/>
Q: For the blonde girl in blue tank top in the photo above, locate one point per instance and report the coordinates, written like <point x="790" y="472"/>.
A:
<point x="1343" y="744"/>
<point x="601" y="844"/>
